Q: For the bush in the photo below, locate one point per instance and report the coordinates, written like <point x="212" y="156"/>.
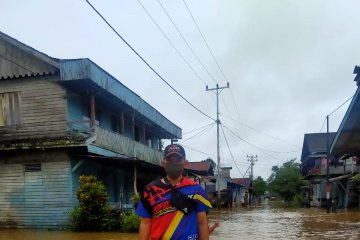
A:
<point x="356" y="180"/>
<point x="93" y="212"/>
<point x="131" y="222"/>
<point x="298" y="200"/>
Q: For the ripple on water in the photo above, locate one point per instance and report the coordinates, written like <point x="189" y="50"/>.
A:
<point x="267" y="222"/>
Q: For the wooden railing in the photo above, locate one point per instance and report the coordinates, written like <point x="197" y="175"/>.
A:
<point x="338" y="170"/>
<point x="116" y="142"/>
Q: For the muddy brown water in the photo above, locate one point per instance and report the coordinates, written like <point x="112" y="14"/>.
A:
<point x="267" y="221"/>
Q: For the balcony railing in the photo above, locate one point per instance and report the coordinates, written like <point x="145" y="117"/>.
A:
<point x="338" y="170"/>
<point x="119" y="143"/>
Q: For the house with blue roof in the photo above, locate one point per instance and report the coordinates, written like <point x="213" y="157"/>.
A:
<point x="62" y="118"/>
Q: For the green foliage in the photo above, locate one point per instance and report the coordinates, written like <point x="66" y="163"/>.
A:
<point x="136" y="198"/>
<point x="286" y="180"/>
<point x="131" y="222"/>
<point x="259" y="186"/>
<point x="93" y="212"/>
<point x="298" y="200"/>
<point x="356" y="180"/>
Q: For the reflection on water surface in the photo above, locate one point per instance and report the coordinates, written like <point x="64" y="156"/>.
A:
<point x="263" y="222"/>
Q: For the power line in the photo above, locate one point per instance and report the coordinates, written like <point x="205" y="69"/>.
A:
<point x="186" y="42"/>
<point x="340" y="105"/>
<point x="322" y="126"/>
<point x="259" y="131"/>
<point x="152" y="69"/>
<point x="199" y="133"/>
<point x="213" y="56"/>
<point x="207" y="45"/>
<point x="171" y="43"/>
<point x="196" y="150"/>
<point x="232" y="156"/>
<point x="254" y="145"/>
<point x="193" y="130"/>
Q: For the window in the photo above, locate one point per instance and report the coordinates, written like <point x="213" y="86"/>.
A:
<point x="34" y="167"/>
<point x="10" y="111"/>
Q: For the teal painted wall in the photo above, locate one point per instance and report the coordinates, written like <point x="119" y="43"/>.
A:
<point x="35" y="190"/>
<point x="118" y="181"/>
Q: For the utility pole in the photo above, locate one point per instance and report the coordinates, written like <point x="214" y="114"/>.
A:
<point x="252" y="159"/>
<point x="327" y="166"/>
<point x="217" y="91"/>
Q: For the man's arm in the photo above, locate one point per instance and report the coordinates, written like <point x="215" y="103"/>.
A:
<point x="203" y="226"/>
<point x="144" y="230"/>
<point x="212" y="228"/>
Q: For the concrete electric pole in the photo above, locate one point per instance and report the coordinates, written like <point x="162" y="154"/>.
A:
<point x="217" y="90"/>
<point x="252" y="159"/>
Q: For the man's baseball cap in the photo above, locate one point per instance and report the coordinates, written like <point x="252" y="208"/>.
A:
<point x="174" y="149"/>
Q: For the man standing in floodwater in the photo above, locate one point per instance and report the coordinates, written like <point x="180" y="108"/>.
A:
<point x="173" y="207"/>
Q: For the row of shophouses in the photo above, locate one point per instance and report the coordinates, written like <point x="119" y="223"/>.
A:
<point x="343" y="149"/>
<point x="62" y="118"/>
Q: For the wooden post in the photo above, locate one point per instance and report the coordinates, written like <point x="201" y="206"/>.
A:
<point x="135" y="180"/>
<point x="133" y="134"/>
<point x="143" y="139"/>
<point x="122" y="123"/>
<point x="133" y="126"/>
<point x="92" y="110"/>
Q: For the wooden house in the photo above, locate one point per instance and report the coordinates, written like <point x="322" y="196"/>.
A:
<point x="62" y="118"/>
<point x="345" y="150"/>
<point x="245" y="193"/>
<point x="314" y="164"/>
<point x="203" y="173"/>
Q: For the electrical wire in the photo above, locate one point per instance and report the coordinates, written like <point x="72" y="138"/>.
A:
<point x="199" y="133"/>
<point x="193" y="130"/>
<point x="207" y="45"/>
<point x="232" y="156"/>
<point x="335" y="111"/>
<point x="171" y="43"/>
<point x="214" y="58"/>
<point x="147" y="64"/>
<point x="341" y="105"/>
<point x="196" y="150"/>
<point x="259" y="131"/>
<point x="254" y="145"/>
<point x="186" y="42"/>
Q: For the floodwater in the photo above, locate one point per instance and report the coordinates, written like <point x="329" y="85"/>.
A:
<point x="267" y="221"/>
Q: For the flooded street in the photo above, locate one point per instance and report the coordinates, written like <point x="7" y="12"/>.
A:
<point x="269" y="222"/>
<point x="263" y="222"/>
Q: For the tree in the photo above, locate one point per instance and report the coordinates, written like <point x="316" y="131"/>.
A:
<point x="93" y="212"/>
<point x="259" y="186"/>
<point x="286" y="180"/>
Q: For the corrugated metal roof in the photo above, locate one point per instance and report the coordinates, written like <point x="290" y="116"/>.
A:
<point x="243" y="181"/>
<point x="78" y="69"/>
<point x="315" y="143"/>
<point x="198" y="166"/>
<point x="28" y="75"/>
<point x="347" y="139"/>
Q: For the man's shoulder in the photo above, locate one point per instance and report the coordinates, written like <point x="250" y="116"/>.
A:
<point x="188" y="182"/>
<point x="156" y="182"/>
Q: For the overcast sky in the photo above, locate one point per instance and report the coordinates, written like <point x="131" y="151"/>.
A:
<point x="289" y="64"/>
